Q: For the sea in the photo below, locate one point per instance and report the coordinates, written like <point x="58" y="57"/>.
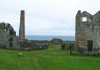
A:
<point x="45" y="37"/>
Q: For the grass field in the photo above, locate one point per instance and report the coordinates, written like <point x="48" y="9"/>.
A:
<point x="50" y="59"/>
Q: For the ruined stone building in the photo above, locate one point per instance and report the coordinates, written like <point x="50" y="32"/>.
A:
<point x="88" y="32"/>
<point x="9" y="40"/>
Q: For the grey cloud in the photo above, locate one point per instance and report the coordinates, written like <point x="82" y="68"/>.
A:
<point x="53" y="17"/>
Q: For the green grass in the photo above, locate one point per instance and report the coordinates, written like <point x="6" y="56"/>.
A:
<point x="50" y="59"/>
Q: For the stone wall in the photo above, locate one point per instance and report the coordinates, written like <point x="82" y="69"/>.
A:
<point x="33" y="45"/>
<point x="3" y="36"/>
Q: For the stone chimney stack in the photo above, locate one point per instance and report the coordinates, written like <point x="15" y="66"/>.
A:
<point x="22" y="26"/>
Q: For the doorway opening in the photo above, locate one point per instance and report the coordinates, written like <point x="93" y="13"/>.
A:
<point x="90" y="45"/>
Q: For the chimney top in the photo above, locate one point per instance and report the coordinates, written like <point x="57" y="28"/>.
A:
<point x="22" y="15"/>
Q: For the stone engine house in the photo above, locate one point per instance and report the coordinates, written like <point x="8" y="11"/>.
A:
<point x="88" y="32"/>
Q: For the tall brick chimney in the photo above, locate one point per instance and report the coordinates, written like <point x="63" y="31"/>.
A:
<point x="22" y="26"/>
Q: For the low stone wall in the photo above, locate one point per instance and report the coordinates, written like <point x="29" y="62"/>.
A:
<point x="33" y="45"/>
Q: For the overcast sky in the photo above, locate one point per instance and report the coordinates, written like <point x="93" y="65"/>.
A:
<point x="46" y="17"/>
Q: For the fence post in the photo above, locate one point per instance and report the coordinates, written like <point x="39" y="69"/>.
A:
<point x="70" y="49"/>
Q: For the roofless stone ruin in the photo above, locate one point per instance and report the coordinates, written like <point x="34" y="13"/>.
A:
<point x="88" y="32"/>
<point x="9" y="40"/>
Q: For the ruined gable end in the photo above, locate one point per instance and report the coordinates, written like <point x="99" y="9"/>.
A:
<point x="87" y="32"/>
